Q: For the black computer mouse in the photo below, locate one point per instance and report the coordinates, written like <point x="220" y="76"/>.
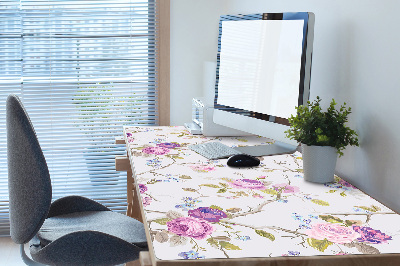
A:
<point x="243" y="160"/>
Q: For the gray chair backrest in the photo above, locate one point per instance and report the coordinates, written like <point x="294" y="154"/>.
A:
<point x="29" y="183"/>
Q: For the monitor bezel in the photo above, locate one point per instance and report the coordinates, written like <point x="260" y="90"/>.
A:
<point x="305" y="69"/>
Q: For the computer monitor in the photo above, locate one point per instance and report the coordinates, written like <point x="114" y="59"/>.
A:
<point x="263" y="72"/>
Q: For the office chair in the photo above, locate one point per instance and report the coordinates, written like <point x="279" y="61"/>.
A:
<point x="70" y="231"/>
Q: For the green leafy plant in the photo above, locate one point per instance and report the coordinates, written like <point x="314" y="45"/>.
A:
<point x="312" y="126"/>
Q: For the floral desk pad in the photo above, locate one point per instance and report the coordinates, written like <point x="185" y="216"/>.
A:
<point x="197" y="208"/>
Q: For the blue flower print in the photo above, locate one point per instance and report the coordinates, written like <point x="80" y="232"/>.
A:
<point x="243" y="238"/>
<point x="312" y="216"/>
<point x="296" y="216"/>
<point x="156" y="141"/>
<point x="293" y="253"/>
<point x="190" y="255"/>
<point x="361" y="210"/>
<point x="189" y="204"/>
<point x="154" y="163"/>
<point x="304" y="222"/>
<point x="171" y="178"/>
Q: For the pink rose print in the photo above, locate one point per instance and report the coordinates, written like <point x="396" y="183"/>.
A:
<point x="146" y="201"/>
<point x="346" y="184"/>
<point x="333" y="232"/>
<point x="208" y="214"/>
<point x="370" y="235"/>
<point x="169" y="145"/>
<point x="190" y="227"/>
<point x="286" y="188"/>
<point x="247" y="184"/>
<point x="130" y="138"/>
<point x="142" y="188"/>
<point x="156" y="150"/>
<point x="202" y="168"/>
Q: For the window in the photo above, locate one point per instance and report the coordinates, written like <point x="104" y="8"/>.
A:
<point x="83" y="69"/>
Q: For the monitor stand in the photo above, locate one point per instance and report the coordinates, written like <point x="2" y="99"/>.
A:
<point x="270" y="149"/>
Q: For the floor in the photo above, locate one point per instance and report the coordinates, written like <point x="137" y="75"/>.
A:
<point x="10" y="255"/>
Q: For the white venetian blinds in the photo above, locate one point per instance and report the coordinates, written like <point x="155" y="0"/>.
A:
<point x="83" y="69"/>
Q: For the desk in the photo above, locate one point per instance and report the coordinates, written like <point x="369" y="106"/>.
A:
<point x="194" y="208"/>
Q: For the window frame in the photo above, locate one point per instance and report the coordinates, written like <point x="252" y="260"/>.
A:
<point x="163" y="36"/>
<point x="163" y="70"/>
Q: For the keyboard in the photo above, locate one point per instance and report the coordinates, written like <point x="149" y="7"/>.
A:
<point x="214" y="150"/>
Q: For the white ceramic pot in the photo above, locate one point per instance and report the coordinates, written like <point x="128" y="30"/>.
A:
<point x="319" y="163"/>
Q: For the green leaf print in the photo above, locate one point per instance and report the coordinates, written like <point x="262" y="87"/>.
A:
<point x="189" y="189"/>
<point x="223" y="184"/>
<point x="152" y="181"/>
<point x="210" y="185"/>
<point x="320" y="245"/>
<point x="229" y="246"/>
<point x="373" y="208"/>
<point x="268" y="170"/>
<point x="353" y="222"/>
<point x="320" y="202"/>
<point x="269" y="191"/>
<point x="265" y="234"/>
<point x="331" y="219"/>
<point x="162" y="221"/>
<point x="173" y="156"/>
<point x="216" y="207"/>
<point x="213" y="242"/>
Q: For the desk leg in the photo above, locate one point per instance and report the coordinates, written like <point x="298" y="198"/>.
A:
<point x="133" y="210"/>
<point x="133" y="198"/>
<point x="144" y="260"/>
<point x="129" y="192"/>
<point x="133" y="263"/>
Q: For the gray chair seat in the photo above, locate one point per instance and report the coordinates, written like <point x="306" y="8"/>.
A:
<point x="107" y="222"/>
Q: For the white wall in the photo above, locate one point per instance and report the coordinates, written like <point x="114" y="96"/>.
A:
<point x="356" y="60"/>
<point x="194" y="41"/>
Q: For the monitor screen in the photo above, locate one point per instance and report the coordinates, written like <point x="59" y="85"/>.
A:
<point x="260" y="63"/>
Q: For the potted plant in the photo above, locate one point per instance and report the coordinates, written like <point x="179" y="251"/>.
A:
<point x="323" y="136"/>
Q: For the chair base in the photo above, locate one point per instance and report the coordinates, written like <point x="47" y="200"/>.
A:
<point x="26" y="259"/>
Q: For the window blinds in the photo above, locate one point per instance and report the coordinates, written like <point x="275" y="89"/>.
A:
<point x="83" y="69"/>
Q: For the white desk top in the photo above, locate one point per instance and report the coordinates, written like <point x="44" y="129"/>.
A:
<point x="200" y="209"/>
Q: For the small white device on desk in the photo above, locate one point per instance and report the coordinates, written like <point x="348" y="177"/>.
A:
<point x="202" y="122"/>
